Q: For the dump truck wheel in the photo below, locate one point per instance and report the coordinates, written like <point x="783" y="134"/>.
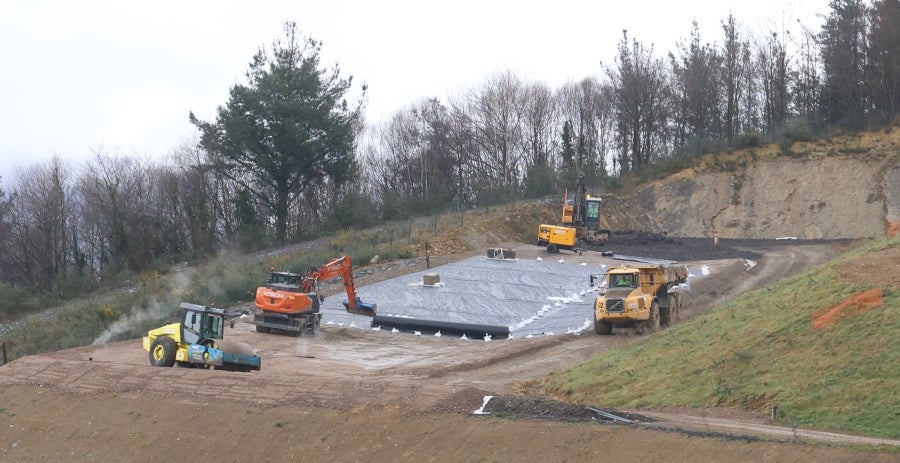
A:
<point x="674" y="308"/>
<point x="665" y="314"/>
<point x="162" y="352"/>
<point x="552" y="249"/>
<point x="652" y="323"/>
<point x="602" y="327"/>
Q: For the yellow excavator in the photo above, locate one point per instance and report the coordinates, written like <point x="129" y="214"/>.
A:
<point x="197" y="341"/>
<point x="583" y="212"/>
<point x="581" y="225"/>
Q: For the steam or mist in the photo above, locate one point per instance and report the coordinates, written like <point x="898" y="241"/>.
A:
<point x="177" y="282"/>
<point x="302" y="348"/>
<point x="136" y="318"/>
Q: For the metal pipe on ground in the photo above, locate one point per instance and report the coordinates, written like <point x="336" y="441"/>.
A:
<point x="470" y="330"/>
<point x="610" y="415"/>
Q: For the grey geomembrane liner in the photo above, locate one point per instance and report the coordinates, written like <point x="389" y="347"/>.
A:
<point x="532" y="297"/>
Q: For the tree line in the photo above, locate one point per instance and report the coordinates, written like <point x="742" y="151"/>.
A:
<point x="290" y="157"/>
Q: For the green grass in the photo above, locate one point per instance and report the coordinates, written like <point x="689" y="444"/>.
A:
<point x="761" y="350"/>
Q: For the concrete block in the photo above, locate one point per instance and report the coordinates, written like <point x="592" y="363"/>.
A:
<point x="431" y="279"/>
<point x="501" y="253"/>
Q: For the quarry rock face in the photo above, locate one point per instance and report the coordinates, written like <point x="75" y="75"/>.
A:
<point x="816" y="196"/>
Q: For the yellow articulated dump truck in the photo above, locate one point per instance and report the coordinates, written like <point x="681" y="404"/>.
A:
<point x="639" y="295"/>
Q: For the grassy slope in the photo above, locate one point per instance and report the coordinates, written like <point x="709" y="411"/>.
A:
<point x="761" y="350"/>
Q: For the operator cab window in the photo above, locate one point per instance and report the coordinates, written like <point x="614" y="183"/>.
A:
<point x="285" y="280"/>
<point x="622" y="281"/>
<point x="197" y="327"/>
<point x="212" y="328"/>
<point x="593" y="210"/>
<point x="191" y="332"/>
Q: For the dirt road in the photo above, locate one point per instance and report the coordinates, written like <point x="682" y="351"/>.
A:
<point x="352" y="394"/>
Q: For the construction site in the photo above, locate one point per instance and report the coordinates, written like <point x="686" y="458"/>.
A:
<point x="445" y="357"/>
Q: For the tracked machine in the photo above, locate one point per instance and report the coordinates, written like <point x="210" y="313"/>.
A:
<point x="289" y="302"/>
<point x="583" y="213"/>
<point x="581" y="226"/>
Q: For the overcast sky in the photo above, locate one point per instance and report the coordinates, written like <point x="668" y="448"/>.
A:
<point x="121" y="76"/>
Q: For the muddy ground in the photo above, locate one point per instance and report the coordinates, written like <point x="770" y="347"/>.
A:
<point x="350" y="394"/>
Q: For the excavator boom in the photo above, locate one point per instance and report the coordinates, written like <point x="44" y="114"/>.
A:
<point x="343" y="267"/>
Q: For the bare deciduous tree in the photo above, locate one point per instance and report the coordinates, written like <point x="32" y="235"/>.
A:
<point x="640" y="93"/>
<point x="696" y="87"/>
<point x="734" y="73"/>
<point x="41" y="213"/>
<point x="884" y="58"/>
<point x="843" y="46"/>
<point x="772" y="60"/>
<point x="493" y="117"/>
<point x="538" y="120"/>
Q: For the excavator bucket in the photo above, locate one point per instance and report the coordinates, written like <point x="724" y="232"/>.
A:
<point x="361" y="308"/>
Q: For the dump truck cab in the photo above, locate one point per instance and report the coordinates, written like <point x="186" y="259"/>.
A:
<point x="623" y="280"/>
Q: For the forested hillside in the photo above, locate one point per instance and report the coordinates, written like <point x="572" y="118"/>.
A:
<point x="289" y="158"/>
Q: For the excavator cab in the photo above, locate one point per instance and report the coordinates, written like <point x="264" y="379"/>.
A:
<point x="285" y="279"/>
<point x="592" y="212"/>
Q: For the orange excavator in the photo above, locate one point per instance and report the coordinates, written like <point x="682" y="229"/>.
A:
<point x="289" y="301"/>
